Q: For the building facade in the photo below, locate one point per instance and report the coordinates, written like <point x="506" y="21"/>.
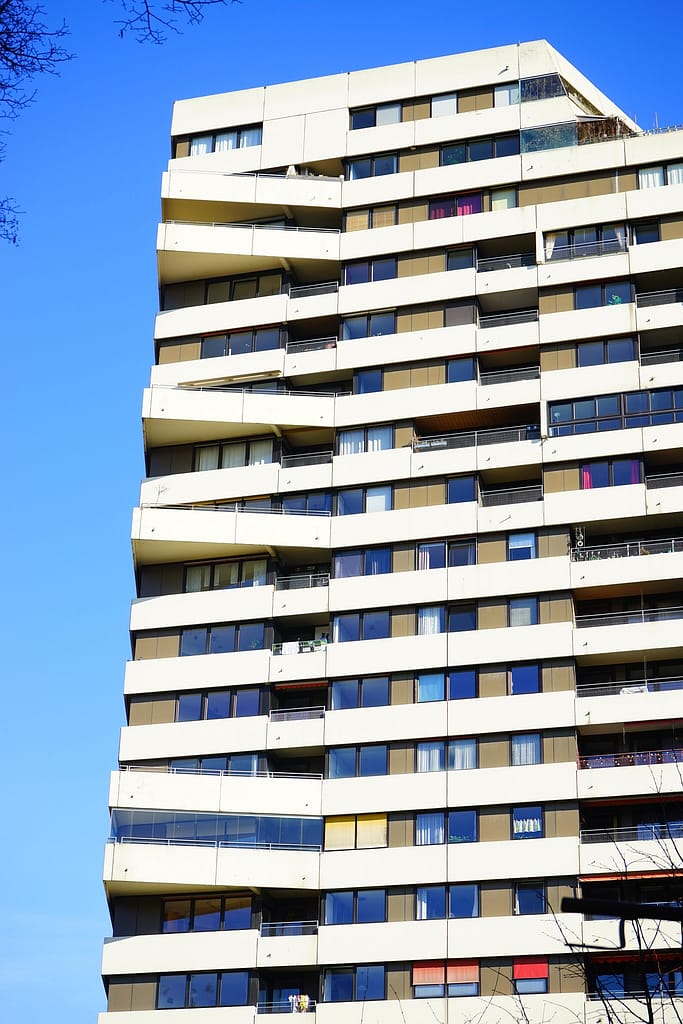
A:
<point x="402" y="674"/>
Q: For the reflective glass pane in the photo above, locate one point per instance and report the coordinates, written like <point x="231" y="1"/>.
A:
<point x="526" y="748"/>
<point x="524" y="679"/>
<point x="189" y="707"/>
<point x="237" y="913"/>
<point x="461" y="488"/>
<point x="357" y="273"/>
<point x="354" y="327"/>
<point x="342" y="763"/>
<point x="246" y="703"/>
<point x="462" y="826"/>
<point x="251" y="637"/>
<point x="388" y="113"/>
<point x="207" y="916"/>
<point x="226" y="575"/>
<point x="171" y="991"/>
<point x="267" y="340"/>
<point x="459" y="259"/>
<point x="462" y="553"/>
<point x="374" y="692"/>
<point x="384" y="269"/>
<point x="430" y="686"/>
<point x="176" y="916"/>
<point x="590" y="353"/>
<point x="348" y="564"/>
<point x="222" y="639"/>
<point x="218" y="704"/>
<point x="350" y="503"/>
<point x="378" y="499"/>
<point x="339" y="908"/>
<point x="242" y="341"/>
<point x="462" y="618"/>
<point x="371" y="905"/>
<point x="234" y="988"/>
<point x="367" y="382"/>
<point x="382" y="323"/>
<point x="454" y="154"/>
<point x="430" y="903"/>
<point x="481" y="149"/>
<point x="462" y="684"/>
<point x="376" y="625"/>
<point x="197" y="577"/>
<point x="458" y="370"/>
<point x="386" y="164"/>
<point x="344" y="694"/>
<point x="588" y="296"/>
<point x="363" y="118"/>
<point x="464" y="900"/>
<point x="507" y="145"/>
<point x="377" y="562"/>
<point x="346" y="628"/>
<point x="359" y="169"/>
<point x="339" y="986"/>
<point x="530" y="898"/>
<point x="372" y="760"/>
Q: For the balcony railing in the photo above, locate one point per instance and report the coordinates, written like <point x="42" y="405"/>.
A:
<point x="507" y="376"/>
<point x="522" y="259"/>
<point x="310" y="344"/>
<point x="238" y="506"/>
<point x="229" y="389"/>
<point x="297" y="714"/>
<point x="628" y="759"/>
<point x="299" y="646"/>
<point x="664" y="480"/>
<point x="633" y="833"/>
<point x="511" y="496"/>
<point x="630" y="618"/>
<point x="301" y="291"/>
<point x="519" y="316"/>
<point x="254" y="228"/>
<point x="661" y="298"/>
<point x="216" y="844"/>
<point x="625" y="687"/>
<point x="472" y="438"/>
<point x="582" y="249"/>
<point x="306" y="459"/>
<point x="272" y="928"/>
<point x="669" y="355"/>
<point x="217" y="772"/>
<point x="304" y="581"/>
<point x="295" y="1004"/>
<point x="628" y="549"/>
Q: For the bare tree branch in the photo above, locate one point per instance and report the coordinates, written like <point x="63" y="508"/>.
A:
<point x="150" y="21"/>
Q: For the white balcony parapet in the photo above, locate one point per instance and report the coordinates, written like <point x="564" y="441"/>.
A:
<point x="311" y="344"/>
<point x="294" y="1004"/>
<point x="260" y="390"/>
<point x="214" y="844"/>
<point x="254" y="228"/>
<point x="239" y="506"/>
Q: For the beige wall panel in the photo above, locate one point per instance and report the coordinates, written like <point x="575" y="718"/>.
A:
<point x="403" y="435"/>
<point x="557" y="608"/>
<point x="496" y="980"/>
<point x="403" y="623"/>
<point x="491" y="549"/>
<point x="495" y="900"/>
<point x="492" y="614"/>
<point x="398" y="983"/>
<point x="492" y="682"/>
<point x="402" y="689"/>
<point x="401" y="830"/>
<point x="412" y="211"/>
<point x="553" y="543"/>
<point x="494" y="826"/>
<point x="494" y="752"/>
<point x="400" y="902"/>
<point x="119" y="996"/>
<point x="401" y="759"/>
<point x="403" y="559"/>
<point x="558" y="677"/>
<point x="671" y="228"/>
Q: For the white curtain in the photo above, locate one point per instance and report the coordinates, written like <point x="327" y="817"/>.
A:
<point x="675" y="174"/>
<point x="207" y="457"/>
<point x="444" y="105"/>
<point x="527" y="826"/>
<point x="378" y="499"/>
<point x="526" y="749"/>
<point x="430" y="621"/>
<point x="200" y="145"/>
<point x="250" y="137"/>
<point x="379" y="438"/>
<point x="260" y="452"/>
<point x="521" y="613"/>
<point x="234" y="456"/>
<point x="463" y="754"/>
<point x="504" y="199"/>
<point x="226" y="141"/>
<point x="506" y="95"/>
<point x="651" y="177"/>
<point x="430" y="757"/>
<point x="429" y="829"/>
<point x="197" y="577"/>
<point x="351" y="442"/>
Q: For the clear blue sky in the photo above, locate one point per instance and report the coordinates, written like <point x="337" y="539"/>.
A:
<point x="78" y="301"/>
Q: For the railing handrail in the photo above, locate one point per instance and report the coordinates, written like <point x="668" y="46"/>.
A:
<point x="664" y="480"/>
<point x="629" y="686"/>
<point x="659" y="298"/>
<point x="252" y="174"/>
<point x="513" y="262"/>
<point x="302" y="344"/>
<point x="299" y="291"/>
<point x="285" y="1006"/>
<point x="251" y="226"/>
<point x="627" y="549"/>
<point x="236" y="506"/>
<point x="519" y="316"/>
<point x="512" y="374"/>
<point x="598" y="248"/>
<point x="285" y="927"/>
<point x="303" y="581"/>
<point x="220" y="772"/>
<point x="216" y="843"/>
<point x="637" y="615"/>
<point x="628" y="758"/>
<point x="511" y="495"/>
<point x="226" y="389"/>
<point x="308" y="459"/>
<point x="303" y="646"/>
<point x="298" y="714"/>
<point x="471" y="438"/>
<point x="661" y="356"/>
<point x="633" y="833"/>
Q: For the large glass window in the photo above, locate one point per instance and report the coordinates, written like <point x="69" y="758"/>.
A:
<point x="339" y="907"/>
<point x="523" y="611"/>
<point x="429" y="828"/>
<point x="461" y="488"/>
<point x="372" y="166"/>
<point x="462" y="826"/>
<point x="525" y="679"/>
<point x="611" y="293"/>
<point x="372" y="117"/>
<point x="527" y="822"/>
<point x="521" y="546"/>
<point x="462" y="753"/>
<point x="530" y="898"/>
<point x="462" y="617"/>
<point x="430" y="686"/>
<point x="430" y="903"/>
<point x="464" y="900"/>
<point x="462" y="684"/>
<point x="526" y="748"/>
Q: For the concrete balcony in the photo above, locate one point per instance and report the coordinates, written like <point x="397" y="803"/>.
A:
<point x="623" y="632"/>
<point x="180" y="187"/>
<point x="638" y="848"/>
<point x="189" y="951"/>
<point x="630" y="775"/>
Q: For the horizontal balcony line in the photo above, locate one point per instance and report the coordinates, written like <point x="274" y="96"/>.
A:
<point x="522" y="259"/>
<point x="630" y="618"/>
<point x="230" y="390"/>
<point x="659" y="298"/>
<point x="512" y="496"/>
<point x="521" y="316"/>
<point x="509" y="376"/>
<point x="220" y="773"/>
<point x="303" y="582"/>
<point x="297" y="1004"/>
<point x="301" y="291"/>
<point x="216" y="844"/>
<point x="298" y="714"/>
<point x="276" y="928"/>
<point x="664" y="480"/>
<point x="578" y="250"/>
<point x="670" y="355"/>
<point x="626" y="687"/>
<point x="311" y="344"/>
<point x="309" y="459"/>
<point x="628" y="549"/>
<point x="633" y="833"/>
<point x="473" y="438"/>
<point x="255" y="174"/>
<point x="299" y="646"/>
<point x="242" y="226"/>
<point x="238" y="506"/>
<point x="629" y="758"/>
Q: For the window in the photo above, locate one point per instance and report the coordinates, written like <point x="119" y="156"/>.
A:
<point x="383" y="268"/>
<point x="530" y="898"/>
<point x="430" y="686"/>
<point x="344" y="984"/>
<point x="371" y="692"/>
<point x="339" y="908"/>
<point x="462" y="754"/>
<point x="611" y="350"/>
<point x="445" y="105"/>
<point x="229" y="988"/>
<point x="368" y="499"/>
<point x="455" y="206"/>
<point x="506" y="95"/>
<point x="610" y="473"/>
<point x="240" y="702"/>
<point x="479" y="149"/>
<point x="461" y="488"/>
<point x="653" y="177"/>
<point x="616" y="412"/>
<point x="367" y="382"/>
<point x="362" y="832"/>
<point x="645" y="232"/>
<point x="372" y="325"/>
<point x="433" y="978"/>
<point x="525" y="679"/>
<point x="527" y="822"/>
<point x="462" y="617"/>
<point x="431" y="620"/>
<point x="365" y="439"/>
<point x="362" y="762"/>
<point x="462" y="826"/>
<point x="611" y="293"/>
<point x="238" y="830"/>
<point x="462" y="552"/>
<point x="462" y="369"/>
<point x="225" y="575"/>
<point x="541" y="87"/>
<point x="371" y="562"/>
<point x="240" y="342"/>
<point x="596" y="240"/>
<point x="374" y="117"/>
<point x="233" y="454"/>
<point x="523" y="611"/>
<point x="464" y="900"/>
<point x="369" y="625"/>
<point x="372" y="166"/>
<point x="462" y="684"/>
<point x="362" y="906"/>
<point x="226" y="289"/>
<point x="526" y="748"/>
<point x="430" y="756"/>
<point x="227" y="913"/>
<point x="430" y="903"/>
<point x="530" y="974"/>
<point x="521" y="546"/>
<point x="429" y="828"/>
<point x="222" y="141"/>
<point x="460" y="259"/>
<point x="248" y="636"/>
<point x="431" y="555"/>
<point x="503" y="199"/>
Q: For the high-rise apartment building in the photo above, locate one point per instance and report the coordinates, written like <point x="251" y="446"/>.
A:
<point x="407" y="652"/>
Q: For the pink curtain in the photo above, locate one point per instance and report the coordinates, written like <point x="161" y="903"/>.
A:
<point x="469" y="204"/>
<point x="586" y="478"/>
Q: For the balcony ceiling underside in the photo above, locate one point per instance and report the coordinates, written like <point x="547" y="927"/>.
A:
<point x="162" y="432"/>
<point x="153" y="552"/>
<point x="190" y="266"/>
